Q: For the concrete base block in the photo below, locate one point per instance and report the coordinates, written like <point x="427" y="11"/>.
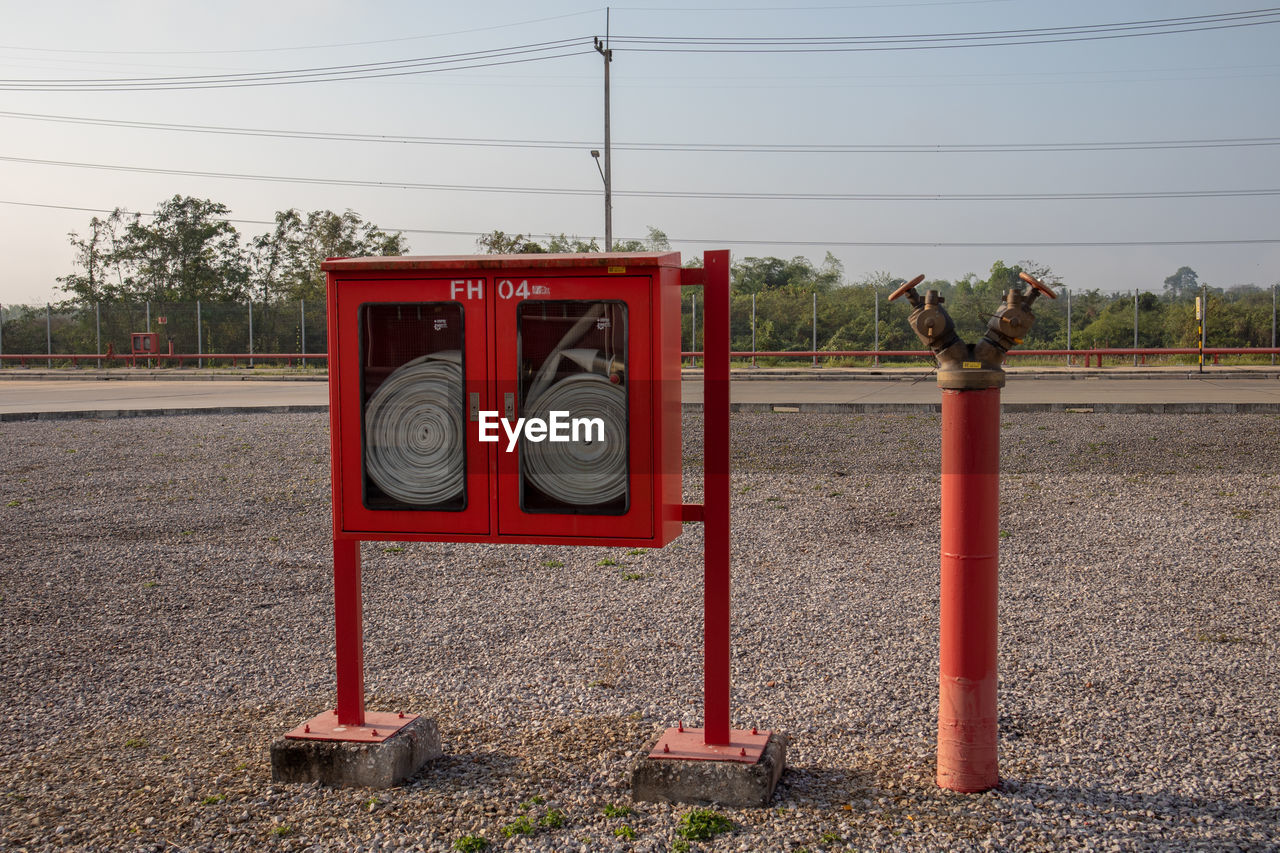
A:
<point x="721" y="783"/>
<point x="357" y="765"/>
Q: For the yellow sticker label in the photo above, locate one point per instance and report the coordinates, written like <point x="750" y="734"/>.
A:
<point x="617" y="270"/>
<point x="971" y="365"/>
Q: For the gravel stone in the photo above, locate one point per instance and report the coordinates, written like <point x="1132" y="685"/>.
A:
<point x="165" y="604"/>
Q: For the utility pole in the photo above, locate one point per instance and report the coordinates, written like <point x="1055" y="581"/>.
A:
<point x="1135" y="326"/>
<point x="875" y="359"/>
<point x="815" y="328"/>
<point x="603" y="48"/>
<point x="1068" y="325"/>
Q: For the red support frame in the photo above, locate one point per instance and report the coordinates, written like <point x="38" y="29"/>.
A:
<point x="716" y="740"/>
<point x="715" y="408"/>
<point x="348" y="629"/>
<point x="489" y="290"/>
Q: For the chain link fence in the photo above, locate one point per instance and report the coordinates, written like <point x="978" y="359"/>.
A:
<point x="852" y="318"/>
<point x="205" y="329"/>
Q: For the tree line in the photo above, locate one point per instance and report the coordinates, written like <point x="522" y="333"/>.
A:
<point x="188" y="251"/>
<point x="1238" y="316"/>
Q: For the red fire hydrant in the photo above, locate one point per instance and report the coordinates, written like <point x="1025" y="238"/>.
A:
<point x="970" y="377"/>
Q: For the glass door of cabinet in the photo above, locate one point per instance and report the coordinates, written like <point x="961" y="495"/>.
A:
<point x="574" y="372"/>
<point x="411" y="388"/>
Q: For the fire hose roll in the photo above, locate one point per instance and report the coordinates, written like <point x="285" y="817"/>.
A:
<point x="584" y="472"/>
<point x="415" y="431"/>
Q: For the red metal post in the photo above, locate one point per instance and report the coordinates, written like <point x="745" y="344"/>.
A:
<point x="716" y="498"/>
<point x="970" y="543"/>
<point x="348" y="631"/>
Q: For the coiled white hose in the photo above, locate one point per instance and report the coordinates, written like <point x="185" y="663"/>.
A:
<point x="415" y="431"/>
<point x="581" y="473"/>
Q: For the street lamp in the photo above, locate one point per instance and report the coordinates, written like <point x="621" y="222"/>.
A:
<point x="608" y="203"/>
<point x="607" y="174"/>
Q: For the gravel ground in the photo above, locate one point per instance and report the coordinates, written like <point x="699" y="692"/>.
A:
<point x="166" y="613"/>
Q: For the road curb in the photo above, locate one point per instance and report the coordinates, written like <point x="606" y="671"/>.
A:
<point x="13" y="374"/>
<point x="752" y="408"/>
<point x="116" y="414"/>
<point x="1062" y="408"/>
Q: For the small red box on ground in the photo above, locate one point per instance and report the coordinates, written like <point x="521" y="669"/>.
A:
<point x="144" y="343"/>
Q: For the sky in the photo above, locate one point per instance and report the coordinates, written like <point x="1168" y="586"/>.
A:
<point x="921" y="136"/>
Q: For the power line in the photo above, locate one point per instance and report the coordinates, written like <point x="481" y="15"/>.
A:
<point x="682" y="194"/>
<point x="667" y="194"/>
<point x="1075" y="29"/>
<point x="827" y="8"/>
<point x="1056" y="244"/>
<point x="707" y="147"/>
<point x="62" y="50"/>
<point x="556" y="50"/>
<point x="938" y="41"/>
<point x="923" y="244"/>
<point x="535" y="52"/>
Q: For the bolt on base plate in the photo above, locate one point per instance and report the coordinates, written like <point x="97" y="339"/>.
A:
<point x="681" y="743"/>
<point x="378" y="726"/>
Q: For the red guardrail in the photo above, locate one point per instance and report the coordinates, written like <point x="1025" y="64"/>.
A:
<point x="234" y="357"/>
<point x="1088" y="354"/>
<point x="291" y="357"/>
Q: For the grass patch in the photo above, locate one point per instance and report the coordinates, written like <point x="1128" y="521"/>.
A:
<point x="552" y="564"/>
<point x="610" y="810"/>
<point x="633" y="576"/>
<point x="519" y="826"/>
<point x="136" y="743"/>
<point x="703" y="825"/>
<point x="625" y="832"/>
<point x="213" y="799"/>
<point x="470" y="844"/>
<point x="394" y="549"/>
<point x="608" y="561"/>
<point x="553" y="819"/>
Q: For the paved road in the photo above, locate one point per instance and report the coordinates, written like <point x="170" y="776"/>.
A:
<point x="1019" y="390"/>
<point x="129" y="396"/>
<point x="133" y="395"/>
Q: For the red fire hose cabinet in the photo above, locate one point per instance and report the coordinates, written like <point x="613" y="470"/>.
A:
<point x="506" y="398"/>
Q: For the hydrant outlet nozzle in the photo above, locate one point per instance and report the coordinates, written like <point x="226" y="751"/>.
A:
<point x="908" y="289"/>
<point x="966" y="367"/>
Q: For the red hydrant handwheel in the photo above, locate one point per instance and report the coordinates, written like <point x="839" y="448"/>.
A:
<point x="908" y="286"/>
<point x="1037" y="285"/>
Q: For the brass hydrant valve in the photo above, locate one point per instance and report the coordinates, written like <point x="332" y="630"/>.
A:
<point x="964" y="366"/>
